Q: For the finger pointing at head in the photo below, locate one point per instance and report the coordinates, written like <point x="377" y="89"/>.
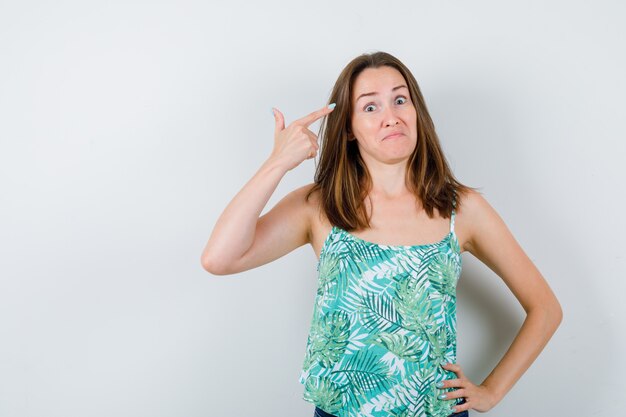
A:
<point x="312" y="117"/>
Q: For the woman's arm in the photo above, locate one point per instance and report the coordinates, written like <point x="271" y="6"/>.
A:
<point x="235" y="230"/>
<point x="240" y="239"/>
<point x="492" y="243"/>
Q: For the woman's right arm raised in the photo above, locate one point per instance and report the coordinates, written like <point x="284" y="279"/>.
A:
<point x="240" y="239"/>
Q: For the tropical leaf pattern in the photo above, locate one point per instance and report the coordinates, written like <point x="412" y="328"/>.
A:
<point x="384" y="318"/>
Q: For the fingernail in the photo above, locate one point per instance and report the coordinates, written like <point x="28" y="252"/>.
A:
<point x="440" y="384"/>
<point x="444" y="363"/>
<point x="272" y="111"/>
<point x="332" y="105"/>
<point x="453" y="409"/>
<point x="442" y="396"/>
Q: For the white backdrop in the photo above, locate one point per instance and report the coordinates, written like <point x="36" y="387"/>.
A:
<point x="126" y="127"/>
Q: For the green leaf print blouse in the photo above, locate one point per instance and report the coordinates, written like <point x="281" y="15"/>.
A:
<point x="384" y="318"/>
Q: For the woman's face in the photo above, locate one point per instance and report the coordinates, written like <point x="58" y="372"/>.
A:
<point x="382" y="106"/>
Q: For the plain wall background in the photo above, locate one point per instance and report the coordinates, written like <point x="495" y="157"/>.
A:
<point x="127" y="127"/>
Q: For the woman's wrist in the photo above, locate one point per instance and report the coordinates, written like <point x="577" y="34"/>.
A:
<point x="275" y="162"/>
<point x="492" y="394"/>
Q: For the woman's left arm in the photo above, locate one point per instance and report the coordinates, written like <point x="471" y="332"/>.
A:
<point x="489" y="240"/>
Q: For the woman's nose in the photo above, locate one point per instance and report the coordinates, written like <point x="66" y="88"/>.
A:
<point x="392" y="122"/>
<point x="389" y="116"/>
<point x="391" y="119"/>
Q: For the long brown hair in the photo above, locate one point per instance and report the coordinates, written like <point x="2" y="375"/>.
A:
<point x="341" y="175"/>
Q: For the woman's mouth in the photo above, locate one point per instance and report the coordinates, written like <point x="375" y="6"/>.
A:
<point x="393" y="135"/>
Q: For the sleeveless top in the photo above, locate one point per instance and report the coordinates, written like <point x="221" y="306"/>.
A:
<point x="384" y="318"/>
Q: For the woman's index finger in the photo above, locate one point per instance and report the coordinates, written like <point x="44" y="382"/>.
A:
<point x="312" y="117"/>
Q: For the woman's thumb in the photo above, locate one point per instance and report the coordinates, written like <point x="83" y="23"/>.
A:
<point x="279" y="119"/>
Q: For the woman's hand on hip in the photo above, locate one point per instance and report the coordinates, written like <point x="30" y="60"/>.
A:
<point x="477" y="397"/>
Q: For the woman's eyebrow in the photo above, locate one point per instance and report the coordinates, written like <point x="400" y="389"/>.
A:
<point x="373" y="93"/>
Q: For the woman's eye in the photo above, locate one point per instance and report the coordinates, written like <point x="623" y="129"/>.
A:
<point x="402" y="98"/>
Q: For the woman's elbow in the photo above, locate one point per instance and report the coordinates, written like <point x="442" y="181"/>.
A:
<point x="553" y="313"/>
<point x="549" y="312"/>
<point x="557" y="312"/>
<point x="213" y="266"/>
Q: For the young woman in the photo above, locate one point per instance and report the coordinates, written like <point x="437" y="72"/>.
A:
<point x="388" y="222"/>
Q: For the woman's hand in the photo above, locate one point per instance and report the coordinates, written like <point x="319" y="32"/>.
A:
<point x="477" y="397"/>
<point x="294" y="144"/>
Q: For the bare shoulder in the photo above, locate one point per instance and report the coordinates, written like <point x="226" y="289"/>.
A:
<point x="303" y="191"/>
<point x="470" y="202"/>
<point x="307" y="201"/>
<point x="471" y="207"/>
<point x="480" y="222"/>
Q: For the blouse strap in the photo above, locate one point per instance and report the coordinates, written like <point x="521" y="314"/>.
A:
<point x="452" y="221"/>
<point x="453" y="214"/>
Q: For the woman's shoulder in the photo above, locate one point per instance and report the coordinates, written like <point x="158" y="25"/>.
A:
<point x="474" y="216"/>
<point x="306" y="194"/>
<point x="307" y="198"/>
<point x="470" y="203"/>
<point x="310" y="198"/>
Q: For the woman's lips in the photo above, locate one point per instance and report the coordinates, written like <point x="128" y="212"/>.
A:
<point x="393" y="135"/>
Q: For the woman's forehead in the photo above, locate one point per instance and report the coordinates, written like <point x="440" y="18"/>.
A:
<point x="372" y="81"/>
